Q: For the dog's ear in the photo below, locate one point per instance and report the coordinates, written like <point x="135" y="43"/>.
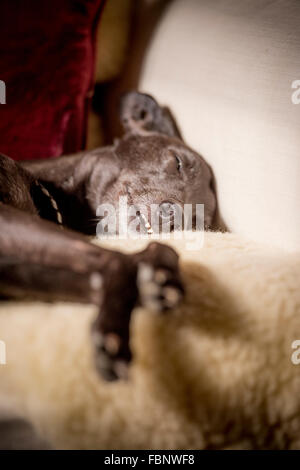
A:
<point x="140" y="113"/>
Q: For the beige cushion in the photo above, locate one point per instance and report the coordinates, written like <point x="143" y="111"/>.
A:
<point x="226" y="68"/>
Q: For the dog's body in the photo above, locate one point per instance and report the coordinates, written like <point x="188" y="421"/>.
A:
<point x="149" y="165"/>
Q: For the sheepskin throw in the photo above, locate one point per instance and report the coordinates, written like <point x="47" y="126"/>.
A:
<point x="217" y="372"/>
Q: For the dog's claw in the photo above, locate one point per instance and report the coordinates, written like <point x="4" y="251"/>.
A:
<point x="112" y="343"/>
<point x="108" y="364"/>
<point x="159" y="289"/>
<point x="160" y="276"/>
<point x="171" y="297"/>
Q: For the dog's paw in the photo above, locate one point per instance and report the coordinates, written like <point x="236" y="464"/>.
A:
<point x="109" y="360"/>
<point x="158" y="279"/>
<point x="111" y="328"/>
<point x="159" y="289"/>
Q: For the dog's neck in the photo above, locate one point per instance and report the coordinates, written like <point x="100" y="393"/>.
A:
<point x="67" y="209"/>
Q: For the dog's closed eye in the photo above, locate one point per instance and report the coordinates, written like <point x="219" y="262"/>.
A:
<point x="178" y="162"/>
<point x="172" y="162"/>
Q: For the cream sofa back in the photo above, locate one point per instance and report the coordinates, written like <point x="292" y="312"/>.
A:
<point x="227" y="69"/>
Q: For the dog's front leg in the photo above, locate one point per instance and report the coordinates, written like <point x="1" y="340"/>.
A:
<point x="150" y="279"/>
<point x="19" y="280"/>
<point x="38" y="259"/>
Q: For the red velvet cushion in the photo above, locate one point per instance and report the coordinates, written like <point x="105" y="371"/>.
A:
<point x="47" y="63"/>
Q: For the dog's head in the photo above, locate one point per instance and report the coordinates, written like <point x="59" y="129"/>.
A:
<point x="153" y="166"/>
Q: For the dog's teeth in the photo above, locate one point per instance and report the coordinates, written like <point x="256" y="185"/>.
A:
<point x="112" y="343"/>
<point x="146" y="223"/>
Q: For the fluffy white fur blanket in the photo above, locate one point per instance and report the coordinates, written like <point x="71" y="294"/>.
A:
<point x="215" y="373"/>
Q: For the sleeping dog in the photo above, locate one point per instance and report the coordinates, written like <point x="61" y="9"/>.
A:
<point x="47" y="206"/>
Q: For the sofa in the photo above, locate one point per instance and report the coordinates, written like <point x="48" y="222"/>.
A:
<point x="221" y="370"/>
